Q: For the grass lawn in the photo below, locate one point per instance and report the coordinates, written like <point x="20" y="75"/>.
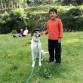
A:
<point x="15" y="60"/>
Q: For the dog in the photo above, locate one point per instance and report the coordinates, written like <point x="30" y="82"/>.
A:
<point x="36" y="48"/>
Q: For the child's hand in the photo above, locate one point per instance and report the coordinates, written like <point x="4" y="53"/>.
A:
<point x="59" y="40"/>
<point x="43" y="32"/>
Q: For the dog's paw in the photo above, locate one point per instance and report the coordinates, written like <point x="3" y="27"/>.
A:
<point x="33" y="65"/>
<point x="41" y="59"/>
<point x="40" y="64"/>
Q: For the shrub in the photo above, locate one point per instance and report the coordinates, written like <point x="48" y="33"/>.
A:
<point x="13" y="31"/>
<point x="13" y="21"/>
<point x="3" y="19"/>
<point x="72" y="23"/>
<point x="74" y="12"/>
<point x="35" y="21"/>
<point x="72" y="20"/>
<point x="79" y="1"/>
<point x="17" y="19"/>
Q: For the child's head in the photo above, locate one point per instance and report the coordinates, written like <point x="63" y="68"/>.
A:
<point x="53" y="13"/>
<point x="21" y="29"/>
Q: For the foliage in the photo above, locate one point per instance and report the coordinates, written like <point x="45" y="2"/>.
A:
<point x="72" y="23"/>
<point x="13" y="21"/>
<point x="74" y="2"/>
<point x="13" y="31"/>
<point x="35" y="17"/>
<point x="72" y="20"/>
<point x="3" y="27"/>
<point x="74" y="12"/>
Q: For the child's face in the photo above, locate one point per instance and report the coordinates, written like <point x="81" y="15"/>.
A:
<point x="21" y="29"/>
<point x="52" y="15"/>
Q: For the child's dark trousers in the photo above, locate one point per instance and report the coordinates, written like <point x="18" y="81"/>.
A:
<point x="54" y="49"/>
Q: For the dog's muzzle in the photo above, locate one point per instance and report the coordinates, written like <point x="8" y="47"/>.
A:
<point x="37" y="34"/>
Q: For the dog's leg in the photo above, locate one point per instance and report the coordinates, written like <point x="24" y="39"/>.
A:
<point x="40" y="58"/>
<point x="33" y="58"/>
<point x="42" y="55"/>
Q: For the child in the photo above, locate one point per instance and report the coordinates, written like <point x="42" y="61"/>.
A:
<point x="25" y="33"/>
<point x="55" y="33"/>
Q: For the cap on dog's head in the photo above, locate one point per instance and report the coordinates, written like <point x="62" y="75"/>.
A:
<point x="36" y="30"/>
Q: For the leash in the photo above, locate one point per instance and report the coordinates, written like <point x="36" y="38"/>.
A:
<point x="30" y="76"/>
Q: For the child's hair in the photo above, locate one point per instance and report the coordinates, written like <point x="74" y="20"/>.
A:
<point x="53" y="10"/>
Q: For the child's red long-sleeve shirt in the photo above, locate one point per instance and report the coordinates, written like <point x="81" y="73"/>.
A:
<point x="54" y="29"/>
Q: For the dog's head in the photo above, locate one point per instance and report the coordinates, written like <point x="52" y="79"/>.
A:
<point x="36" y="32"/>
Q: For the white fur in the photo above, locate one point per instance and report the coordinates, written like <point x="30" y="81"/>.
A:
<point x="36" y="50"/>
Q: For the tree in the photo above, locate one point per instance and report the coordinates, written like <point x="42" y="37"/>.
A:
<point x="1" y="3"/>
<point x="79" y="1"/>
<point x="9" y="4"/>
<point x="73" y="2"/>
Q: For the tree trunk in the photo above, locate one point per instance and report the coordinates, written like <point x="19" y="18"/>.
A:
<point x="5" y="4"/>
<point x="1" y="4"/>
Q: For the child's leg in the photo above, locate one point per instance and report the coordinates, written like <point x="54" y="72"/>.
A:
<point x="57" y="51"/>
<point x="51" y="50"/>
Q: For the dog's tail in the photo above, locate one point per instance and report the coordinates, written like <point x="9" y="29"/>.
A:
<point x="43" y="55"/>
<point x="46" y="52"/>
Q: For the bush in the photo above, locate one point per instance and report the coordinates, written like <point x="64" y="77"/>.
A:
<point x="13" y="21"/>
<point x="35" y="21"/>
<point x="72" y="20"/>
<point x="17" y="19"/>
<point x="79" y="2"/>
<point x="72" y="23"/>
<point x="3" y="20"/>
<point x="74" y="12"/>
<point x="74" y="2"/>
<point x="13" y="31"/>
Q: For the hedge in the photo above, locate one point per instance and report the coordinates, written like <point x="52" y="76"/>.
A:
<point x="16" y="19"/>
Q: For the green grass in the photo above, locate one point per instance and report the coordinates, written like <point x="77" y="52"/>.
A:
<point x="15" y="60"/>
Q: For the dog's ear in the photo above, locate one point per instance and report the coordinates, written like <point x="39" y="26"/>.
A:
<point x="31" y="34"/>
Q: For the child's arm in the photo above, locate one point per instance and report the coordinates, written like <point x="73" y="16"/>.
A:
<point x="61" y="31"/>
<point x="45" y="32"/>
